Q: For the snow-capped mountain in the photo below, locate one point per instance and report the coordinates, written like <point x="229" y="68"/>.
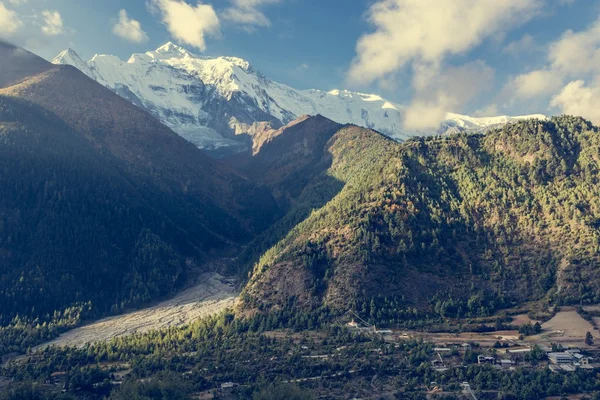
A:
<point x="212" y="101"/>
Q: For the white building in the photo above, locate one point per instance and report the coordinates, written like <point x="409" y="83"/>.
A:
<point x="561" y="358"/>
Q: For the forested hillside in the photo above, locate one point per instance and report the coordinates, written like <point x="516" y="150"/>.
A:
<point x="70" y="223"/>
<point x="102" y="207"/>
<point x="464" y="224"/>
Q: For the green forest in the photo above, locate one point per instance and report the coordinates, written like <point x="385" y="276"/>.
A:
<point x="438" y="221"/>
<point x="176" y="363"/>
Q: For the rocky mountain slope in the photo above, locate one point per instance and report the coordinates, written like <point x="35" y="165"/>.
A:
<point x="220" y="102"/>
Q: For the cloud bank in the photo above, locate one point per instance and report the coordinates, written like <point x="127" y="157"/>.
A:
<point x="188" y="24"/>
<point x="129" y="29"/>
<point x="247" y="14"/>
<point x="422" y="34"/>
<point x="9" y="21"/>
<point x="571" y="75"/>
<point x="53" y="23"/>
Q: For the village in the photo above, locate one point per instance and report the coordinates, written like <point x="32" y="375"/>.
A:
<point x="561" y="344"/>
<point x="565" y="342"/>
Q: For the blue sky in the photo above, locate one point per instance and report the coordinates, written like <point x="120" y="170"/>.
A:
<point x="466" y="63"/>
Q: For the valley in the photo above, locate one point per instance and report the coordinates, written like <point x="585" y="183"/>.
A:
<point x="325" y="259"/>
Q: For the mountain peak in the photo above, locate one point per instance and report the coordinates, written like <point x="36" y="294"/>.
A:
<point x="65" y="56"/>
<point x="168" y="47"/>
<point x="170" y="50"/>
<point x="213" y="100"/>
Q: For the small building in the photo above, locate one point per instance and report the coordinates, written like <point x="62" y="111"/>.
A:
<point x="437" y="363"/>
<point x="506" y="363"/>
<point x="228" y="385"/>
<point x="554" y="368"/>
<point x="352" y="324"/>
<point x="485" y="360"/>
<point x="586" y="361"/>
<point x="561" y="358"/>
<point x="568" y="368"/>
<point x="356" y="327"/>
<point x="442" y="350"/>
<point x="577" y="356"/>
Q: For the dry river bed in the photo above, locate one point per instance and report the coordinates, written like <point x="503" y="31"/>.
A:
<point x="212" y="294"/>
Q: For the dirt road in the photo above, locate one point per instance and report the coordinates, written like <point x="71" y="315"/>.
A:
<point x="212" y="294"/>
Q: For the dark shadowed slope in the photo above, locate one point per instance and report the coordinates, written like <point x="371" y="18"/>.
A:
<point x="146" y="148"/>
<point x="17" y="64"/>
<point x="100" y="202"/>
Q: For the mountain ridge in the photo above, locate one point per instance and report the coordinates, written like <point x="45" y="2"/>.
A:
<point x="467" y="223"/>
<point x="96" y="191"/>
<point x="218" y="102"/>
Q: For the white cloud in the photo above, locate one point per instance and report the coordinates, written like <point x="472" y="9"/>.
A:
<point x="574" y="57"/>
<point x="423" y="34"/>
<point x="53" y="23"/>
<point x="187" y="23"/>
<point x="488" y="111"/>
<point x="578" y="99"/>
<point x="429" y="30"/>
<point x="535" y="83"/>
<point x="439" y="92"/>
<point x="247" y="14"/>
<point x="577" y="53"/>
<point x="9" y="21"/>
<point x="129" y="29"/>
<point x="302" y="67"/>
<point x="425" y="115"/>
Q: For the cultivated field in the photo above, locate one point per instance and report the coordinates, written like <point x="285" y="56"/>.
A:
<point x="567" y="328"/>
<point x="486" y="339"/>
<point x="212" y="294"/>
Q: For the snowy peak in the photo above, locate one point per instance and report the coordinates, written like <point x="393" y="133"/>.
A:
<point x="486" y="121"/>
<point x="169" y="51"/>
<point x="70" y="57"/>
<point x="170" y="47"/>
<point x="239" y="62"/>
<point x="65" y="56"/>
<point x="218" y="102"/>
<point x="464" y="122"/>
